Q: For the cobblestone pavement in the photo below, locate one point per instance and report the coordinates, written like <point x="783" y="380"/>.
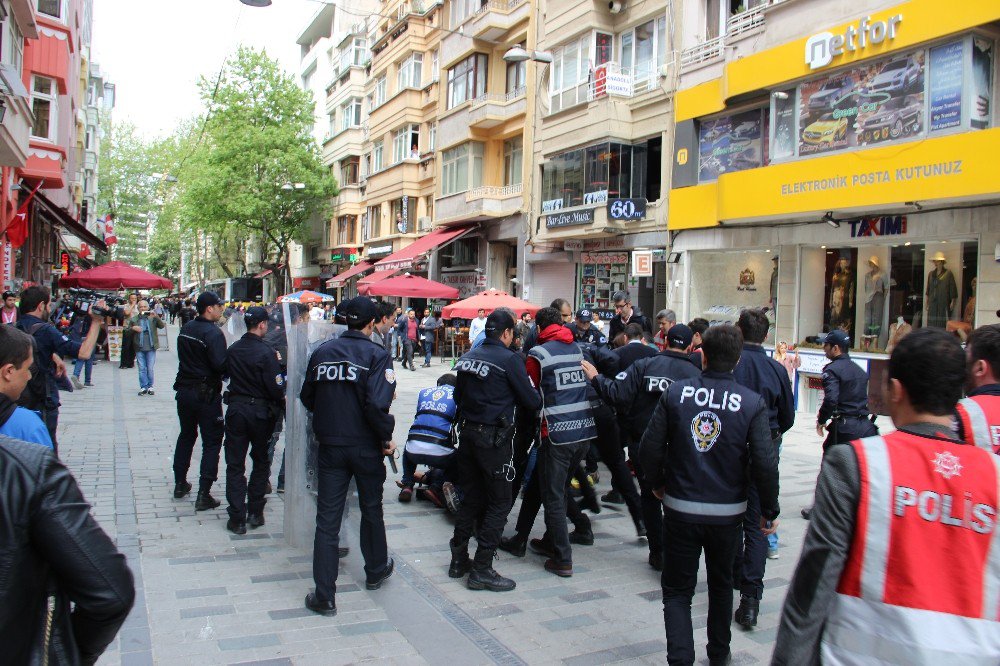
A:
<point x="209" y="597"/>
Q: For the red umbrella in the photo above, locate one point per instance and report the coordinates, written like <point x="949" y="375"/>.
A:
<point x="488" y="300"/>
<point x="413" y="286"/>
<point x="115" y="275"/>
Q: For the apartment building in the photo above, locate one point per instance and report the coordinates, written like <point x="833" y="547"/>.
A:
<point x="602" y="116"/>
<point x="834" y="163"/>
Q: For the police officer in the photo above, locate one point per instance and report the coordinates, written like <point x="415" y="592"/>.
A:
<point x="201" y="364"/>
<point x="583" y="328"/>
<point x="349" y="386"/>
<point x="899" y="561"/>
<point x="634" y="393"/>
<point x="255" y="397"/>
<point x="492" y="380"/>
<point x="844" y="412"/>
<point x="979" y="412"/>
<point x="704" y="434"/>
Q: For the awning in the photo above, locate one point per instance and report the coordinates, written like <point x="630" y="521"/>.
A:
<point x="339" y="279"/>
<point x="404" y="258"/>
<point x="63" y="219"/>
<point x="377" y="276"/>
<point x="268" y="271"/>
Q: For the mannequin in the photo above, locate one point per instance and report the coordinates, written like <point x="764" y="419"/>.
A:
<point x="875" y="288"/>
<point x="842" y="295"/>
<point x="941" y="293"/>
<point x="774" y="283"/>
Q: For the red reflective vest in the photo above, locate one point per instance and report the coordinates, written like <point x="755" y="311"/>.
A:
<point x="921" y="584"/>
<point x="980" y="416"/>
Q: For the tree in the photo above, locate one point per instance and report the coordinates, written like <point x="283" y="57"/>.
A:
<point x="257" y="141"/>
<point x="124" y="186"/>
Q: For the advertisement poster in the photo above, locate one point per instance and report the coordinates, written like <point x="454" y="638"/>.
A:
<point x="115" y="343"/>
<point x="982" y="82"/>
<point x="946" y="86"/>
<point x="783" y="145"/>
<point x="730" y="144"/>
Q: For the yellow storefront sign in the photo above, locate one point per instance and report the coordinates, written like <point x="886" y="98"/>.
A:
<point x="949" y="167"/>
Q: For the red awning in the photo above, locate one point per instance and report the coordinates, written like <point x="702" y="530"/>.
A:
<point x="377" y="276"/>
<point x="403" y="259"/>
<point x="115" y="275"/>
<point x="339" y="279"/>
<point x="66" y="221"/>
<point x="412" y="286"/>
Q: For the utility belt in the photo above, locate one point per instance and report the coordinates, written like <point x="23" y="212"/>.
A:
<point x="206" y="390"/>
<point x="273" y="408"/>
<point x="497" y="433"/>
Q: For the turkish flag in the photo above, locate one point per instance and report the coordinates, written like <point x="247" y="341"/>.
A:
<point x="17" y="230"/>
<point x="109" y="230"/>
<point x="84" y="251"/>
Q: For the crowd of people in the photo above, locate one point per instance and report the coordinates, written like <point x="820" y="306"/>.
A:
<point x="688" y="420"/>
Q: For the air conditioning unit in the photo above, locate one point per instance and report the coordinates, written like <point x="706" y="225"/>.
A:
<point x="423" y="223"/>
<point x="616" y="6"/>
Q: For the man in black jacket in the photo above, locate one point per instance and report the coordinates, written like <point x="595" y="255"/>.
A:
<point x="625" y="315"/>
<point x="705" y="434"/>
<point x="45" y="531"/>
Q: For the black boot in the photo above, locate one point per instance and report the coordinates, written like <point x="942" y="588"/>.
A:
<point x="515" y="545"/>
<point x="635" y="511"/>
<point x="460" y="562"/>
<point x="205" y="501"/>
<point x="181" y="489"/>
<point x="483" y="577"/>
<point x="255" y="520"/>
<point x="746" y="614"/>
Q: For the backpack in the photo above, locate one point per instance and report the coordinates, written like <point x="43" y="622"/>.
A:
<point x="36" y="392"/>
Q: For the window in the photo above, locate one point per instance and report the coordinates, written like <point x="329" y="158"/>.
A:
<point x="354" y="55"/>
<point x="463" y="252"/>
<point x="307" y="79"/>
<point x="605" y="47"/>
<point x="425" y="222"/>
<point x="513" y="160"/>
<point x="570" y="74"/>
<point x="435" y="65"/>
<point x="603" y="171"/>
<point x="410" y="72"/>
<point x="432" y="139"/>
<point x="332" y="124"/>
<point x="366" y="166"/>
<point x="378" y="97"/>
<point x="516" y="76"/>
<point x="377" y="157"/>
<point x="89" y="140"/>
<point x="644" y="48"/>
<point x="403" y="140"/>
<point x="350" y="113"/>
<point x="718" y="13"/>
<point x="461" y="168"/>
<point x="374" y="223"/>
<point x="346" y="228"/>
<point x="53" y="8"/>
<point x="404" y="215"/>
<point x="349" y="170"/>
<point x="44" y="98"/>
<point x="12" y="52"/>
<point x="463" y="9"/>
<point x="467" y="80"/>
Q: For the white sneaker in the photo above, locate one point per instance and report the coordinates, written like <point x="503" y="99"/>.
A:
<point x="772" y="554"/>
<point x="77" y="384"/>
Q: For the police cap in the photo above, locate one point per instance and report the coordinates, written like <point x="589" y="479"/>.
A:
<point x="837" y="338"/>
<point x="254" y="316"/>
<point x="499" y="321"/>
<point x="584" y="315"/>
<point x="358" y="310"/>
<point x="680" y="336"/>
<point x="207" y="299"/>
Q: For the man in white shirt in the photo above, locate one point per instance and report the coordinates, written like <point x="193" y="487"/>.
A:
<point x="478" y="325"/>
<point x="315" y="313"/>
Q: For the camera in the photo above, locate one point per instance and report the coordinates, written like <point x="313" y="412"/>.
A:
<point x="85" y="300"/>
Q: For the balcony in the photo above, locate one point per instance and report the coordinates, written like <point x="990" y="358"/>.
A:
<point x="496" y="17"/>
<point x="90" y="160"/>
<point x="479" y="203"/>
<point x="737" y="26"/>
<point x="488" y="111"/>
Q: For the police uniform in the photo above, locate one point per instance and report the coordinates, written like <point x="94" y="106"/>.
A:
<point x="492" y="380"/>
<point x="979" y="417"/>
<point x="255" y="399"/>
<point x="845" y="397"/>
<point x="696" y="450"/>
<point x="590" y="335"/>
<point x="634" y="393"/>
<point x="201" y="364"/>
<point x="349" y="387"/>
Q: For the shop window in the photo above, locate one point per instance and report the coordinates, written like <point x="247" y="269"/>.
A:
<point x="602" y="274"/>
<point x="600" y="172"/>
<point x="463" y="252"/>
<point x="726" y="283"/>
<point x="467" y="80"/>
<point x="982" y="83"/>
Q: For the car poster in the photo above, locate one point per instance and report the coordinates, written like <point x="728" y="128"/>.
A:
<point x="946" y="86"/>
<point x="728" y="144"/>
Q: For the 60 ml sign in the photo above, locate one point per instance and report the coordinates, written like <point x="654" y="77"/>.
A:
<point x="626" y="209"/>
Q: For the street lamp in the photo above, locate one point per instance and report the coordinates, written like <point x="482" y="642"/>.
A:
<point x="166" y="177"/>
<point x="256" y="3"/>
<point x="517" y="54"/>
<point x="288" y="187"/>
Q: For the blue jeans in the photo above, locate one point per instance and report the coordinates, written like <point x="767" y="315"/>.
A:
<point x="87" y="366"/>
<point x="428" y="352"/>
<point x="145" y="360"/>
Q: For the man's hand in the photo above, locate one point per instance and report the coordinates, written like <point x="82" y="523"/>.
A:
<point x="99" y="305"/>
<point x="768" y="531"/>
<point x="137" y="329"/>
<point x="658" y="493"/>
<point x="820" y="430"/>
<point x="589" y="370"/>
<point x="388" y="448"/>
<point x="58" y="366"/>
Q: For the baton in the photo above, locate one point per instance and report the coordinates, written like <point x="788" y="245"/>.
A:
<point x="392" y="463"/>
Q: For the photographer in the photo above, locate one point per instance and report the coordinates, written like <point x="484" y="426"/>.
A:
<point x="51" y="345"/>
<point x="143" y="326"/>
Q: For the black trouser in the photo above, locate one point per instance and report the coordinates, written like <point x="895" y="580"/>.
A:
<point x="531" y="503"/>
<point x="848" y="429"/>
<point x="681" y="553"/>
<point x="247" y="426"/>
<point x="336" y="466"/>
<point x="751" y="554"/>
<point x="483" y="466"/>
<point x="555" y="465"/>
<point x="198" y="413"/>
<point x="408" y="346"/>
<point x="652" y="509"/>
<point x="524" y="438"/>
<point x="609" y="445"/>
<point x="51" y="417"/>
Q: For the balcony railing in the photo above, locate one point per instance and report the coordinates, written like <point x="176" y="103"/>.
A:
<point x="494" y="192"/>
<point x="703" y="52"/>
<point x="736" y="25"/>
<point x="496" y="98"/>
<point x="745" y="21"/>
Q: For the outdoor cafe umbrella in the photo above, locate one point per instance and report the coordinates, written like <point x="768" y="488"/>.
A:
<point x="488" y="300"/>
<point x="305" y="296"/>
<point x="115" y="275"/>
<point x="412" y="286"/>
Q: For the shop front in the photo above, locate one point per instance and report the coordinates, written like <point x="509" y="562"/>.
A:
<point x="860" y="197"/>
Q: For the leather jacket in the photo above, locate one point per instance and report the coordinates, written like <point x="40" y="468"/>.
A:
<point x="52" y="553"/>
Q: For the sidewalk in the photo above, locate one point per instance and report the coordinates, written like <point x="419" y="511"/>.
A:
<point x="209" y="597"/>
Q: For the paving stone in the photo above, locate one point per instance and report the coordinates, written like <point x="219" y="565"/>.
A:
<point x="206" y="611"/>
<point x="201" y="592"/>
<point x="572" y="622"/>
<point x="247" y="642"/>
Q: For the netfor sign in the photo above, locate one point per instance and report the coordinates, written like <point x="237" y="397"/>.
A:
<point x="821" y="49"/>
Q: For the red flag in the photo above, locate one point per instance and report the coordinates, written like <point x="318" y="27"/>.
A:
<point x="109" y="230"/>
<point x="17" y="230"/>
<point x="84" y="251"/>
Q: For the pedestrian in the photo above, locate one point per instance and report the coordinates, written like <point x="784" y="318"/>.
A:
<point x="15" y="372"/>
<point x="625" y="314"/>
<point x="187" y="312"/>
<point x="428" y="332"/>
<point x="477" y="325"/>
<point x="634" y="392"/>
<point x="255" y="398"/>
<point x="893" y="568"/>
<point x="158" y="307"/>
<point x="767" y="378"/>
<point x="84" y="366"/>
<point x="634" y="347"/>
<point x="201" y="364"/>
<point x="408" y="334"/>
<point x="979" y="413"/>
<point x="8" y="313"/>
<point x="349" y="387"/>
<point x="664" y="320"/>
<point x="50" y="347"/>
<point x="708" y="437"/>
<point x="791" y="362"/>
<point x="430" y="442"/>
<point x="143" y="327"/>
<point x="492" y="380"/>
<point x="67" y="589"/>
<point x="131" y="307"/>
<point x="384" y="325"/>
<point x="397" y="339"/>
<point x="844" y="411"/>
<point x="524" y="326"/>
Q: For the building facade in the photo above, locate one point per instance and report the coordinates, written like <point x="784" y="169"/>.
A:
<point x="833" y="162"/>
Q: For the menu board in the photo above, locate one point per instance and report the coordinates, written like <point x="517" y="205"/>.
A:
<point x="946" y="86"/>
<point x="602" y="274"/>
